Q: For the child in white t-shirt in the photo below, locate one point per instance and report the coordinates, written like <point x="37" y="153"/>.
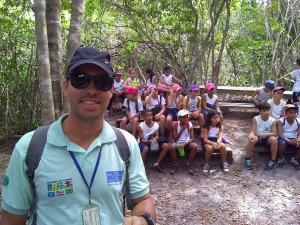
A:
<point x="277" y="103"/>
<point x="157" y="104"/>
<point x="210" y="100"/>
<point x="263" y="133"/>
<point x="213" y="132"/>
<point x="148" y="132"/>
<point x="183" y="138"/>
<point x="167" y="80"/>
<point x="192" y="103"/>
<point x="133" y="108"/>
<point x="289" y="136"/>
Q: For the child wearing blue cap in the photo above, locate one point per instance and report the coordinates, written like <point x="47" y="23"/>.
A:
<point x="264" y="93"/>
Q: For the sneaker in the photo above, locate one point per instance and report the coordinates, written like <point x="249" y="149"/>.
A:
<point x="226" y="167"/>
<point x="158" y="168"/>
<point x="248" y="164"/>
<point x="173" y="169"/>
<point x="295" y="163"/>
<point x="270" y="165"/>
<point x="280" y="162"/>
<point x="205" y="168"/>
<point x="190" y="169"/>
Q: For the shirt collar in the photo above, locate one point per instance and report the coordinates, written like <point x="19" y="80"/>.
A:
<point x="57" y="137"/>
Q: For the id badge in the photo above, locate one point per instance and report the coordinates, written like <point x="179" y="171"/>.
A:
<point x="90" y="215"/>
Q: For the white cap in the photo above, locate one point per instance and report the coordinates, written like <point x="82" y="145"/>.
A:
<point x="183" y="112"/>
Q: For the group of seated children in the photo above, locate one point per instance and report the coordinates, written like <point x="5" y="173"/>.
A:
<point x="167" y="115"/>
<point x="183" y="140"/>
<point x="264" y="133"/>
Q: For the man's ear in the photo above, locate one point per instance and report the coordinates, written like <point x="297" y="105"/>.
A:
<point x="64" y="85"/>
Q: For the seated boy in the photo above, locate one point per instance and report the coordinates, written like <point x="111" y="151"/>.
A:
<point x="148" y="131"/>
<point x="277" y="103"/>
<point x="133" y="108"/>
<point x="183" y="138"/>
<point x="263" y="133"/>
<point x="289" y="135"/>
<point x="264" y="93"/>
<point x="192" y="103"/>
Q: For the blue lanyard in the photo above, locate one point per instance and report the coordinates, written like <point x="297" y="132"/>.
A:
<point x="81" y="173"/>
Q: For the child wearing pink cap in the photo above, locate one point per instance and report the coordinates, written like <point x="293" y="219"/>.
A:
<point x="133" y="81"/>
<point x="133" y="108"/>
<point x="210" y="100"/>
<point x="174" y="104"/>
<point x="277" y="103"/>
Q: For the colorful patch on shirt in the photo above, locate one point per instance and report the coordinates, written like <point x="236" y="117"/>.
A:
<point x="114" y="177"/>
<point x="5" y="181"/>
<point x="60" y="187"/>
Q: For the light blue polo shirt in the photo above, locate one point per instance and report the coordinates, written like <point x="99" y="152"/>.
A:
<point x="61" y="192"/>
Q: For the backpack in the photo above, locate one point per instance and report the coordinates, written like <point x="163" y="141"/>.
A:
<point x="136" y="104"/>
<point x="156" y="109"/>
<point x="36" y="148"/>
<point x="186" y="125"/>
<point x="284" y="122"/>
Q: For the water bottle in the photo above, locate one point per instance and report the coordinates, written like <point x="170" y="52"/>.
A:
<point x="181" y="151"/>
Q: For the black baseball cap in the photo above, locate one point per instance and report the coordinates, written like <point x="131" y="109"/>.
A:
<point x="86" y="55"/>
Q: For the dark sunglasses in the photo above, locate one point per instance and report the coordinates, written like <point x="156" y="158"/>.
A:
<point x="83" y="80"/>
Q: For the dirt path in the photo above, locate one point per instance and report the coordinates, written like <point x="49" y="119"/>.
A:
<point x="240" y="197"/>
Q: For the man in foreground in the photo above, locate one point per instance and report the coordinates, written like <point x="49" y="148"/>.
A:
<point x="80" y="176"/>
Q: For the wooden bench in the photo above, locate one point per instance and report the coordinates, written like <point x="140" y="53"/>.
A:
<point x="242" y="91"/>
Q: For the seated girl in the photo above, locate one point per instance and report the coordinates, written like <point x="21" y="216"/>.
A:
<point x="213" y="132"/>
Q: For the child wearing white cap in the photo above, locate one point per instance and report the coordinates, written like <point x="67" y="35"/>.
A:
<point x="183" y="138"/>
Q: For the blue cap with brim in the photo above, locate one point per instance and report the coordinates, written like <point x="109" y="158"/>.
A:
<point x="270" y="84"/>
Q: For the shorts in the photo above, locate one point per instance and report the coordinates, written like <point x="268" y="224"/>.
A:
<point x="205" y="112"/>
<point x="214" y="139"/>
<point x="263" y="142"/>
<point x="143" y="145"/>
<point x="288" y="147"/>
<point x="172" y="112"/>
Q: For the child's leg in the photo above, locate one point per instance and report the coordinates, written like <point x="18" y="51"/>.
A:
<point x="223" y="152"/>
<point x="281" y="148"/>
<point x="145" y="152"/>
<point x="173" y="149"/>
<point x="162" y="124"/>
<point x="297" y="155"/>
<point x="193" y="153"/>
<point x="135" y="124"/>
<point x="169" y="125"/>
<point x="250" y="147"/>
<point x="162" y="154"/>
<point x="272" y="141"/>
<point x="124" y="122"/>
<point x="201" y="120"/>
<point x="208" y="151"/>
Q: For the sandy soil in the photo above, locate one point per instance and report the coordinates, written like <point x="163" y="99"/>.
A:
<point x="240" y="197"/>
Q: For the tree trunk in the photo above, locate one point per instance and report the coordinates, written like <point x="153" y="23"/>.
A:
<point x="47" y="116"/>
<point x="53" y="9"/>
<point x="74" y="39"/>
<point x="217" y="66"/>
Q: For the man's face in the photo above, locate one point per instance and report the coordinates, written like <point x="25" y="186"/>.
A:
<point x="87" y="104"/>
